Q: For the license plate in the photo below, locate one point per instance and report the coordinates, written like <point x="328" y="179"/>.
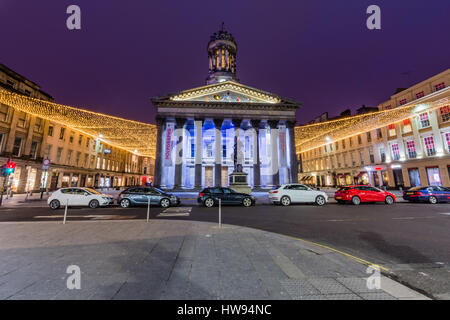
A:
<point x="410" y="193"/>
<point x="338" y="197"/>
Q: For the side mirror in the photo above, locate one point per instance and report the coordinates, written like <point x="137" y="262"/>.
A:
<point x="86" y="194"/>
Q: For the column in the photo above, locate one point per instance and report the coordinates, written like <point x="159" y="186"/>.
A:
<point x="198" y="152"/>
<point x="29" y="138"/>
<point x="293" y="154"/>
<point x="237" y="133"/>
<point x="274" y="151"/>
<point x="416" y="136"/>
<point x="438" y="143"/>
<point x="44" y="138"/>
<point x="158" y="158"/>
<point x="256" y="161"/>
<point x="218" y="152"/>
<point x="12" y="132"/>
<point x="179" y="152"/>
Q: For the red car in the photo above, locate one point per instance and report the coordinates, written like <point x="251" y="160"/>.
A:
<point x="358" y="194"/>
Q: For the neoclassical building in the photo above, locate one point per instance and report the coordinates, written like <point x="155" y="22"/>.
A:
<point x="198" y="128"/>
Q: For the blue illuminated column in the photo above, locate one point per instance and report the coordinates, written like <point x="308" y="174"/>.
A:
<point x="256" y="160"/>
<point x="189" y="148"/>
<point x="159" y="145"/>
<point x="179" y="133"/>
<point x="218" y="152"/>
<point x="208" y="158"/>
<point x="198" y="153"/>
<point x="274" y="152"/>
<point x="292" y="152"/>
<point x="168" y="155"/>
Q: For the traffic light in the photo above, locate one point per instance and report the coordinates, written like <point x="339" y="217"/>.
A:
<point x="8" y="168"/>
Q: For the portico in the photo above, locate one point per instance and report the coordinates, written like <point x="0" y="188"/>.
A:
<point x="198" y="128"/>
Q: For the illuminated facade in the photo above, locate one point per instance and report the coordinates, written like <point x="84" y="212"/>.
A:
<point x="84" y="147"/>
<point x="197" y="129"/>
<point x="406" y="143"/>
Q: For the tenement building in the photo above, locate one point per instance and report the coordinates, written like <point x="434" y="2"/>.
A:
<point x="199" y="129"/>
<point x="405" y="144"/>
<point x="80" y="145"/>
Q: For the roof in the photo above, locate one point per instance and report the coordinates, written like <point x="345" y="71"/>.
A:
<point x="118" y="132"/>
<point x="199" y="93"/>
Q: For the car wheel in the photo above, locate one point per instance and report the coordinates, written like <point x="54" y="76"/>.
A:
<point x="125" y="203"/>
<point x="165" y="203"/>
<point x="320" y="200"/>
<point x="285" y="201"/>
<point x="247" y="202"/>
<point x="94" y="204"/>
<point x="55" y="204"/>
<point x="208" y="203"/>
<point x="389" y="200"/>
<point x="433" y="200"/>
<point x="356" y="200"/>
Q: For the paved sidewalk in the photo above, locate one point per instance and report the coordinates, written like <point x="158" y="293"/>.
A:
<point x="174" y="259"/>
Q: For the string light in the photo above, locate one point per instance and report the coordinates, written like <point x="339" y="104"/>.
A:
<point x="319" y="134"/>
<point x="132" y="136"/>
<point x="258" y="95"/>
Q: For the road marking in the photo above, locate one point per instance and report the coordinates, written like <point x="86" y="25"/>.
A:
<point x="92" y="217"/>
<point x="446" y="213"/>
<point x="176" y="212"/>
<point x="362" y="261"/>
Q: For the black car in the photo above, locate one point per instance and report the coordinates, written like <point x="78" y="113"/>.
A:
<point x="210" y="197"/>
<point x="136" y="196"/>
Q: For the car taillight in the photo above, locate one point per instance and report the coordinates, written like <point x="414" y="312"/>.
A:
<point x="417" y="193"/>
<point x="201" y="194"/>
<point x="276" y="191"/>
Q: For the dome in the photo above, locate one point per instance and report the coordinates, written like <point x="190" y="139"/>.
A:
<point x="222" y="49"/>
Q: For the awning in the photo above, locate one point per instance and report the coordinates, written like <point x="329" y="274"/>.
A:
<point x="361" y="174"/>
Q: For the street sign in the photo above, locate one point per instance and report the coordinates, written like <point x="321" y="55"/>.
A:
<point x="46" y="164"/>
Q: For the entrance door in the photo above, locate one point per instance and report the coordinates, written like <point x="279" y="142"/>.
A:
<point x="54" y="181"/>
<point x="209" y="176"/>
<point x="224" y="177"/>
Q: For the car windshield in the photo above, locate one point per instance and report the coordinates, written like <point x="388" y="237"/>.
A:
<point x="92" y="191"/>
<point x="416" y="189"/>
<point x="158" y="190"/>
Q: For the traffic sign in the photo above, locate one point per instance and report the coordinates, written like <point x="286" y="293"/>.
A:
<point x="46" y="164"/>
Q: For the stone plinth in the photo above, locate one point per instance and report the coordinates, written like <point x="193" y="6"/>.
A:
<point x="238" y="182"/>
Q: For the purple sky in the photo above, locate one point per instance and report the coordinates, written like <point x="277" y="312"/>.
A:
<point x="315" y="51"/>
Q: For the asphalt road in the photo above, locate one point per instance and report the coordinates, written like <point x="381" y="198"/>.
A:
<point x="411" y="240"/>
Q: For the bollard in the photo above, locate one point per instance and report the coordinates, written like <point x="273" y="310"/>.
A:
<point x="65" y="211"/>
<point x="220" y="213"/>
<point x="148" y="209"/>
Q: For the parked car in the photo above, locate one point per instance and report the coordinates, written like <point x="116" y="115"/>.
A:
<point x="431" y="194"/>
<point x="136" y="196"/>
<point x="79" y="197"/>
<point x="357" y="194"/>
<point x="210" y="197"/>
<point x="297" y="193"/>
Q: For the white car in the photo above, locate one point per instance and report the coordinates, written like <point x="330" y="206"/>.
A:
<point x="79" y="197"/>
<point x="297" y="193"/>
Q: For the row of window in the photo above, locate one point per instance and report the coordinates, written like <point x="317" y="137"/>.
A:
<point x="423" y="121"/>
<point x="411" y="152"/>
<point x="419" y="95"/>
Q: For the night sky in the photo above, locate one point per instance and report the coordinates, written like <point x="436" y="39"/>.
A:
<point x="315" y="51"/>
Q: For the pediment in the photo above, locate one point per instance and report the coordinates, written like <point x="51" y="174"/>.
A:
<point x="228" y="91"/>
